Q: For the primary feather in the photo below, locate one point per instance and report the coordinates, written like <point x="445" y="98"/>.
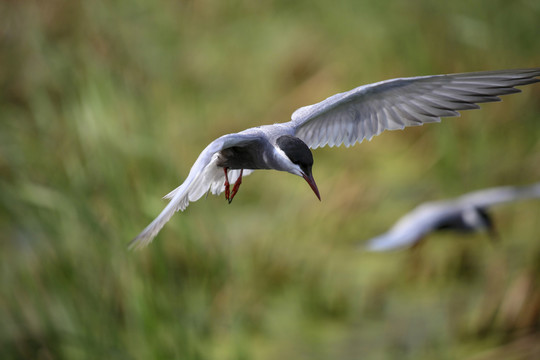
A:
<point x="368" y="110"/>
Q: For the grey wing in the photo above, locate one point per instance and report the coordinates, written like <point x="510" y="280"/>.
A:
<point x="411" y="228"/>
<point x="203" y="177"/>
<point x="493" y="196"/>
<point x="368" y="110"/>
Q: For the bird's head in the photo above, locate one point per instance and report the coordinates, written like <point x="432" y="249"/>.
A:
<point x="478" y="218"/>
<point x="300" y="159"/>
<point x="488" y="224"/>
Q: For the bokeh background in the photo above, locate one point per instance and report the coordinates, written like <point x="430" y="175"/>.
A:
<point x="105" y="105"/>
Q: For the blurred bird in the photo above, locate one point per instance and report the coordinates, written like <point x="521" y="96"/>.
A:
<point x="467" y="213"/>
<point x="344" y="118"/>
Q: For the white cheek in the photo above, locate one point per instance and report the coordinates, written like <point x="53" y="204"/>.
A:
<point x="472" y="218"/>
<point x="285" y="163"/>
<point x="280" y="154"/>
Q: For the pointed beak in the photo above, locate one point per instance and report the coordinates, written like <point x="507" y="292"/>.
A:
<point x="311" y="181"/>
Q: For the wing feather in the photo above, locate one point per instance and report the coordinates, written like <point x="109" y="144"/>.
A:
<point x="204" y="176"/>
<point x="498" y="195"/>
<point x="411" y="228"/>
<point x="426" y="217"/>
<point x="368" y="110"/>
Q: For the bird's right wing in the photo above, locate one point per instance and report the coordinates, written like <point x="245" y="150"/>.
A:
<point x="409" y="229"/>
<point x="368" y="110"/>
<point x="203" y="177"/>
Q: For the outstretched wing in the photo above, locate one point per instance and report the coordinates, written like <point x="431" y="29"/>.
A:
<point x="368" y="110"/>
<point x="493" y="196"/>
<point x="203" y="177"/>
<point x="427" y="217"/>
<point x="411" y="228"/>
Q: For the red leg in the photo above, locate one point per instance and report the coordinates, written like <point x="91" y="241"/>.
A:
<point x="236" y="185"/>
<point x="227" y="191"/>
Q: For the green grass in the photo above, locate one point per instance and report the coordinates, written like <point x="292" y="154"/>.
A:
<point x="105" y="105"/>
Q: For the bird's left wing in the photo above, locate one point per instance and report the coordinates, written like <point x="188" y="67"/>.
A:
<point x="203" y="177"/>
<point x="410" y="228"/>
<point x="493" y="196"/>
<point x="368" y="110"/>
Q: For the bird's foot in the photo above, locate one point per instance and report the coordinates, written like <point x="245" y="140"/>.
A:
<point x="236" y="186"/>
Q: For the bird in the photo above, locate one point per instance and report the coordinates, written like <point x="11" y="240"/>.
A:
<point x="467" y="213"/>
<point x="344" y="118"/>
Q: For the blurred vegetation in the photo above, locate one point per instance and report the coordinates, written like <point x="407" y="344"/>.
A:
<point x="104" y="106"/>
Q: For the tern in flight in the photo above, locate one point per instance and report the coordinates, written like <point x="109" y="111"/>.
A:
<point x="467" y="213"/>
<point x="344" y="118"/>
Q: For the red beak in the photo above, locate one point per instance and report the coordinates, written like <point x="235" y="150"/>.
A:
<point x="311" y="181"/>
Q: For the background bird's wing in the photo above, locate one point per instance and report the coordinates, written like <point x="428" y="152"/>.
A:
<point x="368" y="110"/>
<point x="427" y="217"/>
<point x="203" y="177"/>
<point x="411" y="227"/>
<point x="493" y="196"/>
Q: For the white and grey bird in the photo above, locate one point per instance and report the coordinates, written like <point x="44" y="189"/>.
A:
<point x="345" y="118"/>
<point x="467" y="213"/>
